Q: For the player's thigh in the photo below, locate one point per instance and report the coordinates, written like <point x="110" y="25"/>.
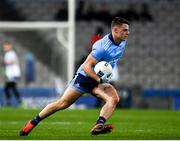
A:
<point x="106" y="91"/>
<point x="69" y="96"/>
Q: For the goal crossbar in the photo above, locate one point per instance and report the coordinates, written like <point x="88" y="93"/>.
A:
<point x="32" y="25"/>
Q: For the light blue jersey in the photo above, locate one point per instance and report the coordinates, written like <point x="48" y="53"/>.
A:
<point x="107" y="50"/>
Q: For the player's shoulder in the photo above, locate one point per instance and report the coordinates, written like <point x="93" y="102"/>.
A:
<point x="123" y="43"/>
<point x="12" y="52"/>
<point x="104" y="43"/>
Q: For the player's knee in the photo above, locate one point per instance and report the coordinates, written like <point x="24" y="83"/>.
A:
<point x="111" y="91"/>
<point x="114" y="100"/>
<point x="118" y="99"/>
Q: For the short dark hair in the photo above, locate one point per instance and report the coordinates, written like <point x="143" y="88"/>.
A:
<point x="119" y="21"/>
<point x="7" y="43"/>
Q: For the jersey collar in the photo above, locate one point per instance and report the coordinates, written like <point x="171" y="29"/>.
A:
<point x="111" y="38"/>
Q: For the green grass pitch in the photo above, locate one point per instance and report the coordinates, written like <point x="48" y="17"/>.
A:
<point x="76" y="125"/>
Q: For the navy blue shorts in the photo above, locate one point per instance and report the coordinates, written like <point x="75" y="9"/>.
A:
<point x="83" y="84"/>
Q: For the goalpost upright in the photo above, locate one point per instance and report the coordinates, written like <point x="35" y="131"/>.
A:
<point x="69" y="44"/>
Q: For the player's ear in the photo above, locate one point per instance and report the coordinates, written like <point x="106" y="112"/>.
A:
<point x="115" y="29"/>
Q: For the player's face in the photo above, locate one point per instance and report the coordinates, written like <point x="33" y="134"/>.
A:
<point x="7" y="47"/>
<point x="122" y="31"/>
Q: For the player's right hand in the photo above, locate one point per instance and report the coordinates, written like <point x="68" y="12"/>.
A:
<point x="106" y="78"/>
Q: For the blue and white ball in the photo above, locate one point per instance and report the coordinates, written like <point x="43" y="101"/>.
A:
<point x="103" y="68"/>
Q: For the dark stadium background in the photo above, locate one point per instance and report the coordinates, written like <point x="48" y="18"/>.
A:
<point x="148" y="74"/>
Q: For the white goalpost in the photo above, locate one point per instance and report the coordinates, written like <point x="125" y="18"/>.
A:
<point x="68" y="43"/>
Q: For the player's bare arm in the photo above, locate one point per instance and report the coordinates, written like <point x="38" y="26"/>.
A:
<point x="87" y="67"/>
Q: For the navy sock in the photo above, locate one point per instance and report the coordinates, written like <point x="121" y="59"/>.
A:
<point x="36" y="120"/>
<point x="101" y="120"/>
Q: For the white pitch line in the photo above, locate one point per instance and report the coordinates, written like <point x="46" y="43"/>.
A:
<point x="59" y="122"/>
